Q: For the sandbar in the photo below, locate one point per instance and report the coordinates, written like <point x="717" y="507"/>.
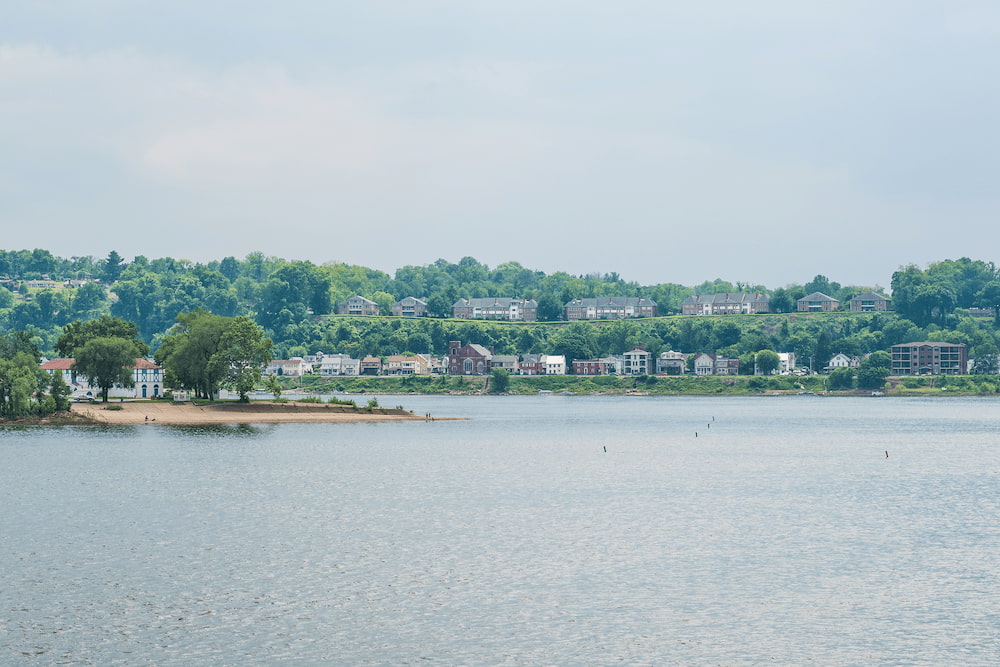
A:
<point x="231" y="412"/>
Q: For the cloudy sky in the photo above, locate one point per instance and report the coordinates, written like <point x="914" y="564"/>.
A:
<point x="668" y="141"/>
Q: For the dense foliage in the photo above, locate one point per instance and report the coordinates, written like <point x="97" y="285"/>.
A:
<point x="293" y="301"/>
<point x="204" y="352"/>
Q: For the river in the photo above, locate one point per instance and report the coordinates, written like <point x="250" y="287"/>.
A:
<point x="542" y="530"/>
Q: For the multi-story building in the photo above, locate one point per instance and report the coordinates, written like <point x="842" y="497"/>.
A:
<point x="603" y="366"/>
<point x="147" y="376"/>
<point x="402" y="364"/>
<point x="930" y="358"/>
<point x="671" y="363"/>
<point x="711" y="364"/>
<point x="294" y="367"/>
<point x="411" y="306"/>
<point x="817" y="302"/>
<point x="530" y="364"/>
<point x="729" y="303"/>
<point x="357" y="305"/>
<point x="508" y="362"/>
<point x="496" y="308"/>
<point x="371" y="366"/>
<point x="553" y="364"/>
<point x="335" y="365"/>
<point x="610" y="308"/>
<point x="870" y="302"/>
<point x="637" y="361"/>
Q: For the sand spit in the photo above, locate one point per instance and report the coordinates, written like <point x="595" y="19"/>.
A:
<point x="229" y="412"/>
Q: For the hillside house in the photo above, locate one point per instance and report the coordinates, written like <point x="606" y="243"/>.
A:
<point x="870" y="302"/>
<point x="358" y="305"/>
<point x="411" y="306"/>
<point x="729" y="303"/>
<point x="817" y="302"/>
<point x="496" y="308"/>
<point x="609" y="308"/>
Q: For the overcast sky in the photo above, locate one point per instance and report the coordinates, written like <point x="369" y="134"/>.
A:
<point x="762" y="142"/>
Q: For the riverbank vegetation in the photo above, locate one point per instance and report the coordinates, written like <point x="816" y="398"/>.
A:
<point x="292" y="302"/>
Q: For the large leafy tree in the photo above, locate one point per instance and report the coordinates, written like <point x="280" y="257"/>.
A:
<point x="767" y="361"/>
<point x="874" y="369"/>
<point x="107" y="361"/>
<point x="244" y="351"/>
<point x="20" y="376"/>
<point x="186" y="353"/>
<point x="76" y="334"/>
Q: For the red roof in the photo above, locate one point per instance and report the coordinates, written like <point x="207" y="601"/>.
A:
<point x="58" y="365"/>
<point x="66" y="364"/>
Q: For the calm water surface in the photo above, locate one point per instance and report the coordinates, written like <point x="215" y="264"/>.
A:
<point x="543" y="530"/>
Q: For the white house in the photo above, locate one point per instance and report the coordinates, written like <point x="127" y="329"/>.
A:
<point x="704" y="364"/>
<point x="339" y="364"/>
<point x="294" y="367"/>
<point x="841" y="360"/>
<point x="671" y="363"/>
<point x="148" y="379"/>
<point x="787" y="362"/>
<point x="637" y="361"/>
<point x="553" y="364"/>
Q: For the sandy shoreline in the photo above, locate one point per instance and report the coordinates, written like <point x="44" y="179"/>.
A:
<point x="228" y="412"/>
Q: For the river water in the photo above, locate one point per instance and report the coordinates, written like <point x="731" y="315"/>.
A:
<point x="543" y="530"/>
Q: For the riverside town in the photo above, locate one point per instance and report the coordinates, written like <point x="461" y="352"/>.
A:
<point x="88" y="328"/>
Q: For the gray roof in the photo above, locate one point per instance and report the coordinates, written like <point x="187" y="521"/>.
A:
<point x="818" y="296"/>
<point x="612" y="301"/>
<point x="487" y="301"/>
<point x="727" y="297"/>
<point x="872" y="296"/>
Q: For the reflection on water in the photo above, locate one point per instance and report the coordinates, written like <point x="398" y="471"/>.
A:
<point x="544" y="530"/>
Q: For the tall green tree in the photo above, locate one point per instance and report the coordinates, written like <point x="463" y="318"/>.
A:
<point x="767" y="362"/>
<point x="106" y="362"/>
<point x="76" y="334"/>
<point x="874" y="369"/>
<point x="186" y="353"/>
<point x="113" y="267"/>
<point x="244" y="352"/>
<point x="499" y="380"/>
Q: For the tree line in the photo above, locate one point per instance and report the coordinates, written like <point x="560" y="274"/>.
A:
<point x="293" y="302"/>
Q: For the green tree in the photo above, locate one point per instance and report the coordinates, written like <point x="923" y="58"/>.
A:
<point x="767" y="362"/>
<point x="76" y="334"/>
<point x="113" y="267"/>
<point x="88" y="300"/>
<point x="274" y="386"/>
<point x="243" y="354"/>
<point x="499" y="381"/>
<point x="186" y="352"/>
<point x="989" y="297"/>
<point x="550" y="308"/>
<point x="106" y="362"/>
<point x="874" y="369"/>
<point x="986" y="359"/>
<point x="840" y="378"/>
<point x="59" y="391"/>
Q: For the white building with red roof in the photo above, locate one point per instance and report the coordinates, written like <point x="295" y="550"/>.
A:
<point x="147" y="375"/>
